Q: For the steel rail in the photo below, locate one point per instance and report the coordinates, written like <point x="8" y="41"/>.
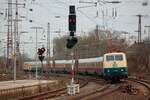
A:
<point x="146" y="83"/>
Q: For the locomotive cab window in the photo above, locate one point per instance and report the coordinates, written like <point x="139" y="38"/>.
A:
<point x="114" y="57"/>
<point x="118" y="57"/>
<point x="110" y="58"/>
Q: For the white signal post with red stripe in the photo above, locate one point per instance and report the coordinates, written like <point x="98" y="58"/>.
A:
<point x="72" y="70"/>
<point x="72" y="87"/>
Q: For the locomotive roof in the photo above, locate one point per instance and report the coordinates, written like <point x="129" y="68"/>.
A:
<point x="112" y="53"/>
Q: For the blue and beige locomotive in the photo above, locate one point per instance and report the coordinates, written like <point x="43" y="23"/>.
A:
<point x="115" y="66"/>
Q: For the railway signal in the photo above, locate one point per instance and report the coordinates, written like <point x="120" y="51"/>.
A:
<point x="72" y="18"/>
<point x="71" y="42"/>
<point x="72" y="23"/>
<point x="41" y="57"/>
<point x="43" y="49"/>
<point x="40" y="53"/>
<point x="72" y="9"/>
<point x="72" y="34"/>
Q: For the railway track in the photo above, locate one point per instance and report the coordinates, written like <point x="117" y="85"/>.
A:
<point x="90" y="93"/>
<point x="105" y="91"/>
<point x="52" y="94"/>
<point x="146" y="83"/>
<point x="133" y="93"/>
<point x="109" y="91"/>
<point x="86" y="92"/>
<point x="44" y="95"/>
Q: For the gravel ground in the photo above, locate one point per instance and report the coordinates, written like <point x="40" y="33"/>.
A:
<point x="142" y="93"/>
<point x="90" y="87"/>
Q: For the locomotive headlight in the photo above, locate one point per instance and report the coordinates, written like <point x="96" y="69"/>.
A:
<point x="121" y="69"/>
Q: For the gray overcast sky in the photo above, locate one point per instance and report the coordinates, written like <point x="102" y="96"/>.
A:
<point x="44" y="11"/>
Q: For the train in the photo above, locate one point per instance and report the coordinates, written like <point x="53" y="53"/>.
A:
<point x="112" y="66"/>
<point x="115" y="66"/>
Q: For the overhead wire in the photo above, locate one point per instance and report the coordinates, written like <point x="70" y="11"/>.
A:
<point x="62" y="2"/>
<point x="87" y="16"/>
<point x="42" y="5"/>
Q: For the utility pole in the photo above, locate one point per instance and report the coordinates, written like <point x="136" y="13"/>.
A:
<point x="103" y="17"/>
<point x="16" y="40"/>
<point x="97" y="32"/>
<point x="16" y="23"/>
<point x="140" y="28"/>
<point x="148" y="32"/>
<point x="48" y="45"/>
<point x="4" y="57"/>
<point x="17" y="34"/>
<point x="36" y="29"/>
<point x="15" y="54"/>
<point x="9" y="36"/>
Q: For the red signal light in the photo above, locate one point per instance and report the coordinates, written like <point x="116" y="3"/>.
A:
<point x="70" y="20"/>
<point x="41" y="51"/>
<point x="72" y="23"/>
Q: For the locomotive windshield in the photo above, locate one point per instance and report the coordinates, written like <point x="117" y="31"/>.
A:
<point x="114" y="57"/>
<point x="118" y="57"/>
<point x="110" y="58"/>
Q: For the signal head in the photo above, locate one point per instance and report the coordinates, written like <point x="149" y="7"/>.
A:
<point x="71" y="42"/>
<point x="72" y="23"/>
<point x="43" y="49"/>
